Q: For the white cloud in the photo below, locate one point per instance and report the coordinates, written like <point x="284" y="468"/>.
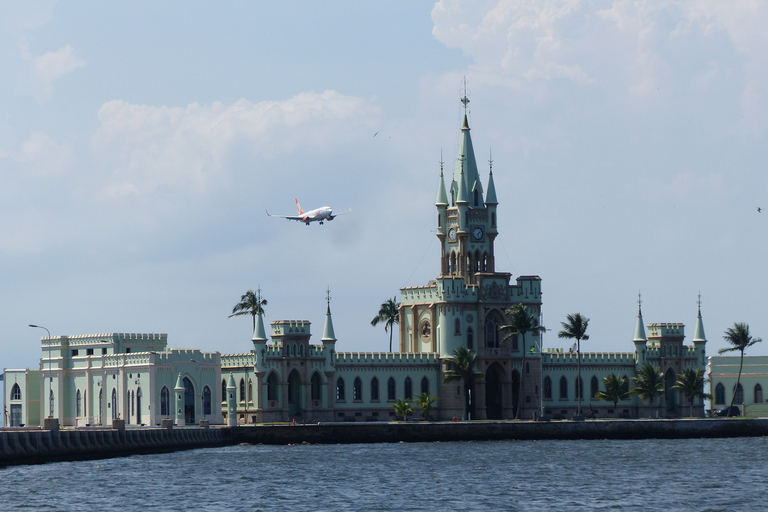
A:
<point x="637" y="47"/>
<point x="144" y="148"/>
<point x="52" y="65"/>
<point x="42" y="155"/>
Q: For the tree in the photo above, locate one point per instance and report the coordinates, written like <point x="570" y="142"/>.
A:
<point x="462" y="367"/>
<point x="739" y="338"/>
<point x="250" y="304"/>
<point x="425" y="404"/>
<point x="402" y="408"/>
<point x="389" y="314"/>
<point x="649" y="384"/>
<point x="615" y="389"/>
<point x="691" y="384"/>
<point x="519" y="322"/>
<point x="575" y="327"/>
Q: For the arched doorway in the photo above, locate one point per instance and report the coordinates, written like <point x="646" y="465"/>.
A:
<point x="493" y="392"/>
<point x="670" y="394"/>
<point x="189" y="402"/>
<point x="294" y="394"/>
<point x="515" y="392"/>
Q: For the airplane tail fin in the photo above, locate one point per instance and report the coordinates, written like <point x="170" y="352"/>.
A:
<point x="298" y="207"/>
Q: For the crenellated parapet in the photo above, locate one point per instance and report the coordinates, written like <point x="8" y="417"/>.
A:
<point x="420" y="294"/>
<point x="558" y="357"/>
<point x="386" y="358"/>
<point x="237" y="360"/>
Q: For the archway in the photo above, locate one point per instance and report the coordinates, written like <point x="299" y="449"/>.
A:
<point x="189" y="402"/>
<point x="494" y="392"/>
<point x="670" y="394"/>
<point x="294" y="394"/>
<point x="515" y="392"/>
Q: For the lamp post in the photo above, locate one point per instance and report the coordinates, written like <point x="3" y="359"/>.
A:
<point x="50" y="375"/>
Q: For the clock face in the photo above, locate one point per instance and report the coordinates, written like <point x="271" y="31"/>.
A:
<point x="452" y="234"/>
<point x="477" y="233"/>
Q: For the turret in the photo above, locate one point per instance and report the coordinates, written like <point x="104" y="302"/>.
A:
<point x="179" y="395"/>
<point x="700" y="340"/>
<point x="640" y="339"/>
<point x="329" y="337"/>
<point x="231" y="402"/>
<point x="259" y="342"/>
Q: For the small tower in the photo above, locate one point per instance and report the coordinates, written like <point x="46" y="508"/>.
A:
<point x="231" y="402"/>
<point x="700" y="340"/>
<point x="640" y="339"/>
<point x="329" y="337"/>
<point x="179" y="391"/>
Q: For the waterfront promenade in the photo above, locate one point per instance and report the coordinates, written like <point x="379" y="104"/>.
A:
<point x="35" y="446"/>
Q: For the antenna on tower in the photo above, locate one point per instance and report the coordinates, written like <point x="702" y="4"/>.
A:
<point x="465" y="100"/>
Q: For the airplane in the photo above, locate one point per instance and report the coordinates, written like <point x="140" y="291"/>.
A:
<point x="318" y="214"/>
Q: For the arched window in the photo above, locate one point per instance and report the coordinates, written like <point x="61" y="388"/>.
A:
<point x="101" y="406"/>
<point x="317" y="386"/>
<point x="739" y="399"/>
<point x="114" y="403"/>
<point x="491" y="333"/>
<point x="594" y="387"/>
<point x="15" y="392"/>
<point x="340" y="389"/>
<point x="250" y="390"/>
<point x="719" y="394"/>
<point x="206" y="400"/>
<point x="391" y="390"/>
<point x="223" y="390"/>
<point x="563" y="388"/>
<point x="457" y="326"/>
<point x="272" y="387"/>
<point x="138" y="406"/>
<point x="424" y="385"/>
<point x="408" y="388"/>
<point x="470" y="339"/>
<point x="758" y="394"/>
<point x="375" y="389"/>
<point x="133" y="403"/>
<point x="242" y="390"/>
<point x="79" y="404"/>
<point x="547" y="388"/>
<point x="357" y="389"/>
<point x="579" y="388"/>
<point x="165" y="401"/>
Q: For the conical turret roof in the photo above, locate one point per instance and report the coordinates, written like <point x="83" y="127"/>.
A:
<point x="639" y="328"/>
<point x="328" y="334"/>
<point x="465" y="173"/>
<point x="259" y="333"/>
<point x="698" y="334"/>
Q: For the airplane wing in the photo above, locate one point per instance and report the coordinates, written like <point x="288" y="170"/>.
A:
<point x="343" y="213"/>
<point x="289" y="217"/>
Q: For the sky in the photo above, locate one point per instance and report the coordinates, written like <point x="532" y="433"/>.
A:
<point x="141" y="143"/>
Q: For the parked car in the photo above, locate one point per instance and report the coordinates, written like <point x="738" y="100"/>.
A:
<point x="728" y="410"/>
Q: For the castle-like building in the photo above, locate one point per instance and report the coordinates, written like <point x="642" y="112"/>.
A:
<point x="93" y="379"/>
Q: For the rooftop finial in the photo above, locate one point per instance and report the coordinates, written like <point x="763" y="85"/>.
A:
<point x="465" y="99"/>
<point x="699" y="301"/>
<point x="639" y="300"/>
<point x="441" y="162"/>
<point x="490" y="159"/>
<point x="328" y="296"/>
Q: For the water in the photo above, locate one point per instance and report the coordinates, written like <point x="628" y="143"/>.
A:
<point x="693" y="474"/>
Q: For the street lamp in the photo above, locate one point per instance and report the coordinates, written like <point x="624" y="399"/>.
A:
<point x="50" y="375"/>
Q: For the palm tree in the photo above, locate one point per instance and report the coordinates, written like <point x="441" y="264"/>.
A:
<point x="738" y="336"/>
<point x="462" y="367"/>
<point x="649" y="384"/>
<point x="691" y="384"/>
<point x="575" y="327"/>
<point x="403" y="408"/>
<point x="615" y="389"/>
<point x="389" y="314"/>
<point x="425" y="404"/>
<point x="250" y="304"/>
<point x="519" y="323"/>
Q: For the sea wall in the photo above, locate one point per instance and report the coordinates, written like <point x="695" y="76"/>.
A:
<point x="416" y="431"/>
<point x="35" y="446"/>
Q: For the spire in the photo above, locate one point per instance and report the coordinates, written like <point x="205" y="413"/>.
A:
<point x="466" y="165"/>
<point x="259" y="334"/>
<point x="698" y="334"/>
<point x="231" y="384"/>
<point x="490" y="197"/>
<point x="442" y="197"/>
<point x="639" y="329"/>
<point x="179" y="385"/>
<point x="328" y="334"/>
<point x="462" y="192"/>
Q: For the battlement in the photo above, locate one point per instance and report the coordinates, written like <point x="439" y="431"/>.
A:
<point x="386" y="358"/>
<point x="237" y="360"/>
<point x="666" y="329"/>
<point x="291" y="328"/>
<point x="419" y="294"/>
<point x="559" y="357"/>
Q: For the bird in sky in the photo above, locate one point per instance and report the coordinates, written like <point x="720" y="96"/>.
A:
<point x="759" y="210"/>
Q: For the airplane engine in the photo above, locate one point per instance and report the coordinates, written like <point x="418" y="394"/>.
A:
<point x="331" y="217"/>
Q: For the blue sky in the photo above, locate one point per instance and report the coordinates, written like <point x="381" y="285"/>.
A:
<point x="141" y="142"/>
